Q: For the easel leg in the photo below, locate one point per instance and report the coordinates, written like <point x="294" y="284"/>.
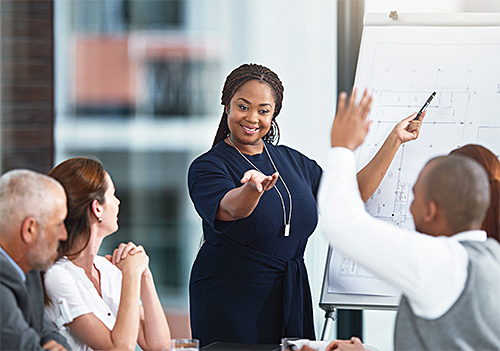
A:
<point x="330" y="317"/>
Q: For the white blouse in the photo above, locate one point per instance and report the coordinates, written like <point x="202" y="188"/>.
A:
<point x="72" y="294"/>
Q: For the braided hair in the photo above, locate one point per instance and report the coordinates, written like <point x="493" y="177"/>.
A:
<point x="234" y="81"/>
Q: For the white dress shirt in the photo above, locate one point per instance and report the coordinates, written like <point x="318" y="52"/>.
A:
<point x="430" y="271"/>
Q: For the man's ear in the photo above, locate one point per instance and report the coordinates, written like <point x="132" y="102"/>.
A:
<point x="29" y="230"/>
<point x="432" y="212"/>
<point x="96" y="209"/>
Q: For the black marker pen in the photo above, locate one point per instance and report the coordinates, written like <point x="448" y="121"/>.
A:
<point x="427" y="103"/>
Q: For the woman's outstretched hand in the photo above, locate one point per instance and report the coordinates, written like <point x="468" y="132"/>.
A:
<point x="259" y="181"/>
<point x="350" y="125"/>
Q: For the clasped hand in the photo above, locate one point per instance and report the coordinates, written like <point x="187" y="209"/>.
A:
<point x="130" y="257"/>
<point x="354" y="344"/>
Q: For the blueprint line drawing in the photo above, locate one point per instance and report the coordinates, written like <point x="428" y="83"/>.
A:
<point x="401" y="74"/>
<point x="347" y="277"/>
<point x="402" y="66"/>
<point x="349" y="268"/>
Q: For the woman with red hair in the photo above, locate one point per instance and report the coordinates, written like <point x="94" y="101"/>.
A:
<point x="491" y="164"/>
<point x="95" y="300"/>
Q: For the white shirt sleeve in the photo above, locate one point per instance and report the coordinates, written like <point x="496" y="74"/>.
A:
<point x="430" y="271"/>
<point x="67" y="301"/>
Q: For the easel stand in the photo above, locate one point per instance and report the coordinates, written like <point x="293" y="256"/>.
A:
<point x="330" y="317"/>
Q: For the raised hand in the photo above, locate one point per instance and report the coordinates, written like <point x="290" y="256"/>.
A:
<point x="350" y="125"/>
<point x="259" y="181"/>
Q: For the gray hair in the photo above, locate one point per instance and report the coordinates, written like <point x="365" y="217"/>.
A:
<point x="25" y="193"/>
<point x="460" y="187"/>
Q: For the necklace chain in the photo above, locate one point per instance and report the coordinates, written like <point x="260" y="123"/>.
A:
<point x="287" y="223"/>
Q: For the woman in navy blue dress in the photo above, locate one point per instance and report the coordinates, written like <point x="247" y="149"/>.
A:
<point x="258" y="205"/>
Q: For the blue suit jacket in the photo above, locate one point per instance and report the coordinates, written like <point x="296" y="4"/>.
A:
<point x="22" y="324"/>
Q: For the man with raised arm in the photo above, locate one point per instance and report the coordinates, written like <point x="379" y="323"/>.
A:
<point x="447" y="269"/>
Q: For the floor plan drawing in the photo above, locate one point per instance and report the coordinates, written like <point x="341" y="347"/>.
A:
<point x="464" y="73"/>
<point x="401" y="67"/>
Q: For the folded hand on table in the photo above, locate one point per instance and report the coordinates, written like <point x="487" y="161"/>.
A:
<point x="354" y="344"/>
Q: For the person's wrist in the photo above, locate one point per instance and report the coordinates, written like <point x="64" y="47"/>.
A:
<point x="396" y="139"/>
<point x="147" y="274"/>
<point x="251" y="188"/>
<point x="132" y="270"/>
<point x="132" y="273"/>
<point x="345" y="145"/>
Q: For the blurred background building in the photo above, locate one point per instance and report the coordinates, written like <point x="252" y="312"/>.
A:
<point x="137" y="84"/>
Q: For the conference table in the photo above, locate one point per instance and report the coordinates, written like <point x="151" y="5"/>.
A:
<point x="228" y="346"/>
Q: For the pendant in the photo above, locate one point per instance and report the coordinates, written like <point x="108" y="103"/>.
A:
<point x="287" y="229"/>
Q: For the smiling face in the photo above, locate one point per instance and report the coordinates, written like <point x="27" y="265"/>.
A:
<point x="250" y="113"/>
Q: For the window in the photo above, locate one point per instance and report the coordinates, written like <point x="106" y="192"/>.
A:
<point x="116" y="16"/>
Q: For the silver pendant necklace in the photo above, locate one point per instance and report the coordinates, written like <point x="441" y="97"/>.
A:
<point x="287" y="223"/>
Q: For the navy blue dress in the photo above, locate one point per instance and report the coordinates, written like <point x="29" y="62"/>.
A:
<point x="249" y="282"/>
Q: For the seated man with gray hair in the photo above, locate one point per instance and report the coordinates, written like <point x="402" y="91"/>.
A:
<point x="32" y="213"/>
<point x="447" y="269"/>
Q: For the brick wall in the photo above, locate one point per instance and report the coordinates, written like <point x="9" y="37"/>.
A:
<point x="27" y="84"/>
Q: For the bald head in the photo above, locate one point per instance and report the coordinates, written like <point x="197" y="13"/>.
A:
<point x="460" y="188"/>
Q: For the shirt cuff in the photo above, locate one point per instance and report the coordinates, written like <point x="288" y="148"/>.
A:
<point x="67" y="315"/>
<point x="341" y="158"/>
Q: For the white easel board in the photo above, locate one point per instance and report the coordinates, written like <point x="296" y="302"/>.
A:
<point x="403" y="61"/>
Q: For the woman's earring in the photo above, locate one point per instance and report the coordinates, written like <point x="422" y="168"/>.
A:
<point x="271" y="136"/>
<point x="99" y="219"/>
<point x="275" y="129"/>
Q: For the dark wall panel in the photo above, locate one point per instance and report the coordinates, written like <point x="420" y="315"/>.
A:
<point x="27" y="84"/>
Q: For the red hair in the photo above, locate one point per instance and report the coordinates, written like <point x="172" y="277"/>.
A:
<point x="490" y="162"/>
<point x="83" y="179"/>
